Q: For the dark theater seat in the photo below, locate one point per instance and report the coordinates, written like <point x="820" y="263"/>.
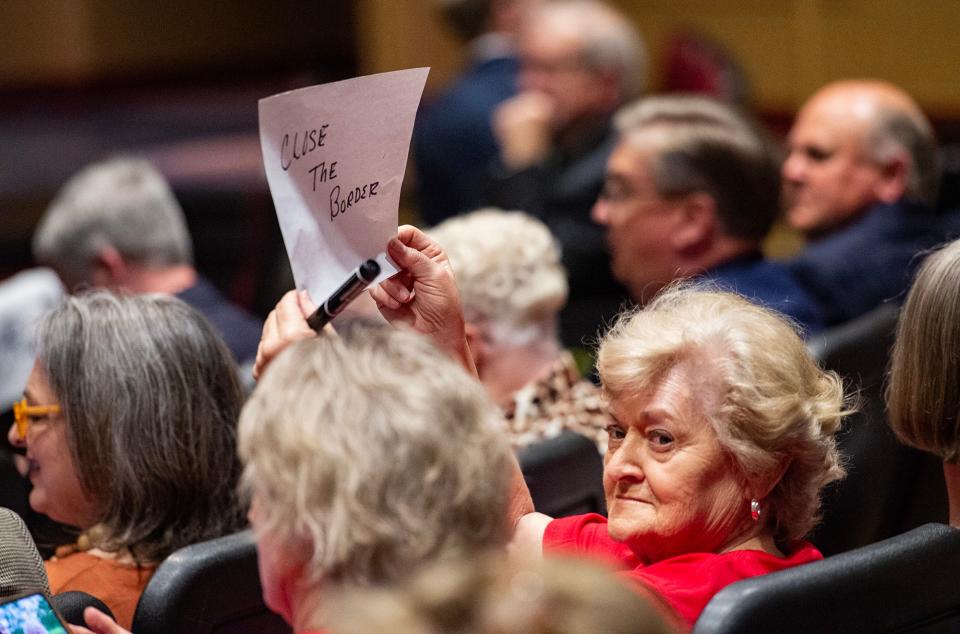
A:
<point x="564" y="474"/>
<point x="210" y="587"/>
<point x="889" y="488"/>
<point x="903" y="584"/>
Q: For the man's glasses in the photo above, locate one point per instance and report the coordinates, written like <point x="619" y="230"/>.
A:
<point x="24" y="414"/>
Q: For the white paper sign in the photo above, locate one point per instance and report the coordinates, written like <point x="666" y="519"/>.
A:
<point x="335" y="155"/>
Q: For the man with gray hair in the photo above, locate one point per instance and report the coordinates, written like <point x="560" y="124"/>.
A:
<point x="691" y="190"/>
<point x="861" y="181"/>
<point x="579" y="61"/>
<point x="117" y="224"/>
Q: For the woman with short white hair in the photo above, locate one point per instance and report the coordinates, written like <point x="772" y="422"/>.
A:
<point x="512" y="287"/>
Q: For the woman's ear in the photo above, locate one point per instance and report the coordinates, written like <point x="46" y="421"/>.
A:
<point x="760" y="490"/>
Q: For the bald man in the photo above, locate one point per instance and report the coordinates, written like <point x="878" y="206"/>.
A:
<point x="860" y="180"/>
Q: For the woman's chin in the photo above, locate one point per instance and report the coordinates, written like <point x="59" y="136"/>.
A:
<point x="626" y="527"/>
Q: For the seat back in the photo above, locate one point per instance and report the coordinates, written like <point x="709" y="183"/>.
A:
<point x="889" y="488"/>
<point x="206" y="588"/>
<point x="902" y="584"/>
<point x="564" y="474"/>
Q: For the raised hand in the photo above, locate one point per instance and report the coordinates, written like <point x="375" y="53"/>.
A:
<point x="424" y="294"/>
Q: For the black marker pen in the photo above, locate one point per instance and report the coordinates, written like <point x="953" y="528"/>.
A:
<point x="358" y="282"/>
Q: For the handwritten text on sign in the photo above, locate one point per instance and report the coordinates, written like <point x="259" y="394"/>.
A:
<point x="308" y="143"/>
<point x="335" y="155"/>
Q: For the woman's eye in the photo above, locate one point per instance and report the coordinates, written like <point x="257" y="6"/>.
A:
<point x="660" y="438"/>
<point x="615" y="432"/>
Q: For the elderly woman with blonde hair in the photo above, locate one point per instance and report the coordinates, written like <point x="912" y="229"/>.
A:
<point x="923" y="393"/>
<point x="512" y="287"/>
<point x="722" y="441"/>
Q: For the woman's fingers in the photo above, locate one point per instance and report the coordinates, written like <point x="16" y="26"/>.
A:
<point x="285" y="324"/>
<point x="384" y="299"/>
<point x="397" y="287"/>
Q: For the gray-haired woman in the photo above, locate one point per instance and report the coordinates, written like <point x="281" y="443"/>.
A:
<point x="923" y="395"/>
<point x="129" y="425"/>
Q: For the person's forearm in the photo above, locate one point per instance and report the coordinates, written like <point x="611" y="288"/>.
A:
<point x="460" y="351"/>
<point x="521" y="503"/>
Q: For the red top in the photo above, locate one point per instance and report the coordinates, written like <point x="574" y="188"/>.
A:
<point x="687" y="582"/>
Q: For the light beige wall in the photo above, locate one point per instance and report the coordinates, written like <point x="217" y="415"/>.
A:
<point x="787" y="47"/>
<point x="43" y="38"/>
<point x="405" y="34"/>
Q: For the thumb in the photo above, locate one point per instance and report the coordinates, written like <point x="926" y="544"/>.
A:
<point x="101" y="623"/>
<point x="410" y="260"/>
<point x="306" y="304"/>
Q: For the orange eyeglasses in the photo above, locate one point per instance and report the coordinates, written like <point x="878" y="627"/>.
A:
<point x="23" y="414"/>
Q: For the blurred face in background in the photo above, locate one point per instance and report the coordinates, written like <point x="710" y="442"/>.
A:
<point x="552" y="64"/>
<point x="828" y="177"/>
<point x="639" y="221"/>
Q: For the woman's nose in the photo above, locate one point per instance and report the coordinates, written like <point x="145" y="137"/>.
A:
<point x="14" y="437"/>
<point x="625" y="462"/>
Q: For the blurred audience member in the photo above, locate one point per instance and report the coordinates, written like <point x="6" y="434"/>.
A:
<point x="691" y="190"/>
<point x="116" y="224"/>
<point x="129" y="425"/>
<point x="695" y="62"/>
<point x="24" y="299"/>
<point x="512" y="287"/>
<point x="367" y="455"/>
<point x="580" y="60"/>
<point x="861" y="180"/>
<point x="923" y="394"/>
<point x="493" y="595"/>
<point x="21" y="568"/>
<point x="453" y="143"/>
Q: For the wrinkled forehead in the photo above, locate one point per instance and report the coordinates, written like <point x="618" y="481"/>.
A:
<point x="691" y="381"/>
